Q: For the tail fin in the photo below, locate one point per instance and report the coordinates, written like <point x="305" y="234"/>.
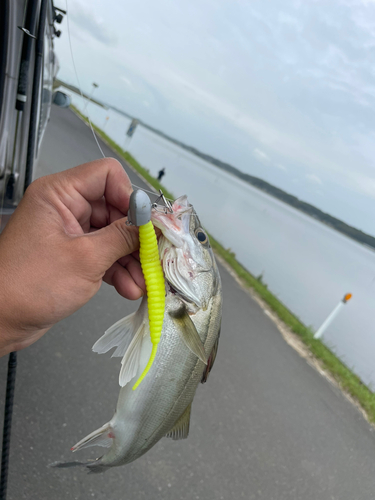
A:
<point x="103" y="436"/>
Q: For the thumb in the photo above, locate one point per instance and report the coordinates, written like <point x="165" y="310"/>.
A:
<point x="113" y="242"/>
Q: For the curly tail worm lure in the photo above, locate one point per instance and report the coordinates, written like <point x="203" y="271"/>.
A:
<point x="140" y="215"/>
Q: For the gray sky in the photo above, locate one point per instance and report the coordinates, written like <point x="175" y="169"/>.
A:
<point x="284" y="90"/>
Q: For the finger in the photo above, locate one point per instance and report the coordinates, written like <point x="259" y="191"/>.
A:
<point x="105" y="177"/>
<point x="134" y="267"/>
<point x="114" y="213"/>
<point x="99" y="213"/>
<point x="136" y="255"/>
<point x="122" y="280"/>
<point x="124" y="260"/>
<point x="103" y="214"/>
<point x="74" y="189"/>
<point x="108" y="244"/>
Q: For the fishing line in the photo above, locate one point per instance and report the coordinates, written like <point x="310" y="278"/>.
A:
<point x="85" y="98"/>
<point x="79" y="84"/>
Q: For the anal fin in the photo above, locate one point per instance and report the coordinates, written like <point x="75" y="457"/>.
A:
<point x="180" y="430"/>
<point x="103" y="436"/>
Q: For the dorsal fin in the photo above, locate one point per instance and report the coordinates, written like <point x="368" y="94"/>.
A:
<point x="180" y="430"/>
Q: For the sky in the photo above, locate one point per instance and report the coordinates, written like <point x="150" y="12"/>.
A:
<point x="283" y="90"/>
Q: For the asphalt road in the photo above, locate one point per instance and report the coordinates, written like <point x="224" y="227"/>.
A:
<point x="265" y="426"/>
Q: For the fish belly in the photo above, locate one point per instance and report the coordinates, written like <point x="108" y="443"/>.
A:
<point x="147" y="414"/>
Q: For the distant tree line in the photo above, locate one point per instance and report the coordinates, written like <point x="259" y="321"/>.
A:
<point x="268" y="188"/>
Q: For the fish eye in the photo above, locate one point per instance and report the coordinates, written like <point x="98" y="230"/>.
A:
<point x="201" y="236"/>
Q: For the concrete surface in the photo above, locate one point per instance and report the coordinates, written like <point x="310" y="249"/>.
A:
<point x="265" y="426"/>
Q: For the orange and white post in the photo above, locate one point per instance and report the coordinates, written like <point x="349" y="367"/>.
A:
<point x="332" y="316"/>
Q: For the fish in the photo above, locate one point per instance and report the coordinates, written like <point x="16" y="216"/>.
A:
<point x="161" y="405"/>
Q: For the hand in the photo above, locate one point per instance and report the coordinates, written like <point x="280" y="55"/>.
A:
<point x="66" y="236"/>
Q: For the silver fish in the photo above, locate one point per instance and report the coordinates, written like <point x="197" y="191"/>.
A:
<point x="161" y="405"/>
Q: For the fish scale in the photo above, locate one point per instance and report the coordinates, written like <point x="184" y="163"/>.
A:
<point x="166" y="404"/>
<point x="160" y="406"/>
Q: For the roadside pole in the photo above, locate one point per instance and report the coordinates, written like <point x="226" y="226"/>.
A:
<point x="106" y="121"/>
<point x="129" y="133"/>
<point x="332" y="316"/>
<point x="88" y="100"/>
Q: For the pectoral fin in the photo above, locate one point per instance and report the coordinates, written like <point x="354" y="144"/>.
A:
<point x="121" y="333"/>
<point x="180" y="430"/>
<point x="188" y="333"/>
<point x="127" y="335"/>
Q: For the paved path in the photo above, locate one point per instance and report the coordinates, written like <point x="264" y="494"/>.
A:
<point x="265" y="426"/>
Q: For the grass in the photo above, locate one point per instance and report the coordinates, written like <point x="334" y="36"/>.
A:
<point x="347" y="380"/>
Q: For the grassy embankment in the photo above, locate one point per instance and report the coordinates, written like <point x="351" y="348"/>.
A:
<point x="347" y="380"/>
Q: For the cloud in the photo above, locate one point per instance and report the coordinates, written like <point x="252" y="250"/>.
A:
<point x="281" y="167"/>
<point x="85" y="18"/>
<point x="287" y="84"/>
<point x="314" y="179"/>
<point x="126" y="80"/>
<point x="365" y="185"/>
<point x="260" y="155"/>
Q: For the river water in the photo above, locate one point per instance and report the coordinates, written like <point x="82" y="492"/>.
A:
<point x="306" y="264"/>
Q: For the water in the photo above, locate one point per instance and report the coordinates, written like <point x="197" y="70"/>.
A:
<point x="306" y="264"/>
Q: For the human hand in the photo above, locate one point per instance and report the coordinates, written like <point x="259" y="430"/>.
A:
<point x="66" y="236"/>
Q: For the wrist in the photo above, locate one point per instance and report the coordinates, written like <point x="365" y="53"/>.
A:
<point x="14" y="335"/>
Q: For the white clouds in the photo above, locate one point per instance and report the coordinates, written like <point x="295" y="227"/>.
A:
<point x="291" y="21"/>
<point x="126" y="80"/>
<point x="313" y="178"/>
<point x="365" y="185"/>
<point x="261" y="155"/>
<point x="290" y="87"/>
<point x="281" y="167"/>
<point x="92" y="25"/>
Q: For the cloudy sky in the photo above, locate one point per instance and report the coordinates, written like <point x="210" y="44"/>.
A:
<point x="284" y="90"/>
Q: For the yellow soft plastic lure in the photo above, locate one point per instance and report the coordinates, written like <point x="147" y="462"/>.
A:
<point x="155" y="286"/>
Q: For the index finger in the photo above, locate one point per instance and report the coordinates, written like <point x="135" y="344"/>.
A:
<point x="105" y="177"/>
